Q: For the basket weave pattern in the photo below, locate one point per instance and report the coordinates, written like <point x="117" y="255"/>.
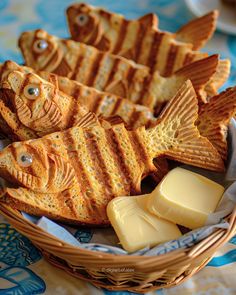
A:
<point x="133" y="273"/>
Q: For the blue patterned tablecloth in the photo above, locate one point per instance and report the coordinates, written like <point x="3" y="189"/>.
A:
<point x="22" y="268"/>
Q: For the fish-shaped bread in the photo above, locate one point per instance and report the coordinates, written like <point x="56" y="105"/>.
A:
<point x="31" y="107"/>
<point x="27" y="116"/>
<point x="140" y="39"/>
<point x="213" y="117"/>
<point x="111" y="73"/>
<point x="106" y="106"/>
<point x="72" y="175"/>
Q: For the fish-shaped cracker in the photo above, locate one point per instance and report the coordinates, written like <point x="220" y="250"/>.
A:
<point x="139" y="39"/>
<point x="106" y="106"/>
<point x="111" y="73"/>
<point x="212" y="122"/>
<point x="17" y="108"/>
<point x="32" y="107"/>
<point x="72" y="175"/>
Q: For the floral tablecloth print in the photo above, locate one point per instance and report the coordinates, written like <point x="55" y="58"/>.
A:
<point x="22" y="268"/>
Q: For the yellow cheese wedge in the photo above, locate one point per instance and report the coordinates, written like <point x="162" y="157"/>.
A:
<point x="137" y="228"/>
<point x="185" y="198"/>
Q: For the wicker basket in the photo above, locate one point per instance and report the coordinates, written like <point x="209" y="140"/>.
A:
<point x="132" y="273"/>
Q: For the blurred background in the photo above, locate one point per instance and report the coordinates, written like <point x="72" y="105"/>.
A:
<point x="17" y="16"/>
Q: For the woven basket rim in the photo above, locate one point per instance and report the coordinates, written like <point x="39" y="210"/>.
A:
<point x="177" y="265"/>
<point x="230" y="231"/>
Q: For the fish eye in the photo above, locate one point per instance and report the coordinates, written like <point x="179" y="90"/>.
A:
<point x="31" y="91"/>
<point x="82" y="19"/>
<point x="40" y="45"/>
<point x="25" y="159"/>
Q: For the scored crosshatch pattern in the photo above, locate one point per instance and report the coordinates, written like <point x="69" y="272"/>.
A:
<point x="22" y="269"/>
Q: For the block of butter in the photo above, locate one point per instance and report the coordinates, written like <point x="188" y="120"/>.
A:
<point x="185" y="198"/>
<point x="137" y="228"/>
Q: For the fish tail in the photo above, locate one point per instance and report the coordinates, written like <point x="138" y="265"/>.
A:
<point x="176" y="137"/>
<point x="219" y="77"/>
<point x="199" y="30"/>
<point x="214" y="118"/>
<point x="200" y="73"/>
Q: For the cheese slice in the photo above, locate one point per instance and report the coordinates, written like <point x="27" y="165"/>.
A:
<point x="185" y="198"/>
<point x="137" y="228"/>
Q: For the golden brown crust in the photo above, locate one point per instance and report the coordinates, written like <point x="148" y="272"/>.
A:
<point x="180" y="136"/>
<point x="36" y="115"/>
<point x="12" y="126"/>
<point x="13" y="199"/>
<point x="201" y="73"/>
<point x="113" y="73"/>
<point x="219" y="78"/>
<point x="140" y="40"/>
<point x="199" y="30"/>
<point x="105" y="104"/>
<point x="105" y="162"/>
<point x="214" y="118"/>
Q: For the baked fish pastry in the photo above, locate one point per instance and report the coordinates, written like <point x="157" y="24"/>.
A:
<point x="139" y="39"/>
<point x="14" y="104"/>
<point x="72" y="175"/>
<point x="110" y="73"/>
<point x="212" y="122"/>
<point x="28" y="116"/>
<point x="32" y="107"/>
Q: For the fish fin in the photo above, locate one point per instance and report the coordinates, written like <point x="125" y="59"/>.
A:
<point x="87" y="121"/>
<point x="118" y="88"/>
<point x="149" y="20"/>
<point x="199" y="30"/>
<point x="200" y="73"/>
<point x="51" y="78"/>
<point x="50" y="117"/>
<point x="23" y="112"/>
<point x="214" y="118"/>
<point x="63" y="69"/>
<point x="11" y="125"/>
<point x="63" y="174"/>
<point x="176" y="136"/>
<point x="219" y="77"/>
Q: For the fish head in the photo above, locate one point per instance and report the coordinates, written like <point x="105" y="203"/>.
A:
<point x="97" y="27"/>
<point x="84" y="23"/>
<point x="31" y="165"/>
<point x="41" y="51"/>
<point x="34" y="101"/>
<point x="30" y="90"/>
<point x="7" y="67"/>
<point x="24" y="164"/>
